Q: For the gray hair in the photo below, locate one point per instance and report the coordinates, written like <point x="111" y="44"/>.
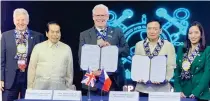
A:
<point x="100" y="6"/>
<point x="19" y="11"/>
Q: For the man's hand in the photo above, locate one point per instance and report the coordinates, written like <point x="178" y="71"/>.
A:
<point x="97" y="72"/>
<point x="104" y="44"/>
<point x="2" y="85"/>
<point x="107" y="43"/>
<point x="157" y="83"/>
<point x="141" y="81"/>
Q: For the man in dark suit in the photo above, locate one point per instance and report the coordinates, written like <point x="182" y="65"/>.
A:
<point x="103" y="35"/>
<point x="16" y="47"/>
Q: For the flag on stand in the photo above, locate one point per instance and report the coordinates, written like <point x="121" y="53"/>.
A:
<point x="104" y="82"/>
<point x="89" y="79"/>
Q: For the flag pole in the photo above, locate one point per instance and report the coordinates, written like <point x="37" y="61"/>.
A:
<point x="89" y="99"/>
<point x="101" y="95"/>
<point x="89" y="93"/>
<point x="101" y="89"/>
<point x="101" y="68"/>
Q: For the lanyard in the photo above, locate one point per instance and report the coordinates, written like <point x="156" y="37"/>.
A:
<point x="104" y="37"/>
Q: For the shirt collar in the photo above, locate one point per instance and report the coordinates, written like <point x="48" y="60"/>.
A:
<point x="50" y="44"/>
<point x="99" y="29"/>
<point x="147" y="40"/>
<point x="25" y="32"/>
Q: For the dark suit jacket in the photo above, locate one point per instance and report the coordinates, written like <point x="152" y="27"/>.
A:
<point x="8" y="52"/>
<point x="115" y="36"/>
<point x="200" y="70"/>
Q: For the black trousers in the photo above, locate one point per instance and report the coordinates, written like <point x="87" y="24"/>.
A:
<point x="19" y="86"/>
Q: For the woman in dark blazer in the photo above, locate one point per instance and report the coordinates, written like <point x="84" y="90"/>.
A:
<point x="192" y="73"/>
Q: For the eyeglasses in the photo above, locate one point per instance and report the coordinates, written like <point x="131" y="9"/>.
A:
<point x="102" y="15"/>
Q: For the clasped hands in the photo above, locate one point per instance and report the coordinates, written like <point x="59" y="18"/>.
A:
<point x="104" y="43"/>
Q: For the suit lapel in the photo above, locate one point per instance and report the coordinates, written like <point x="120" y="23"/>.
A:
<point x="195" y="63"/>
<point x="93" y="36"/>
<point x="196" y="58"/>
<point x="109" y="34"/>
<point x="30" y="42"/>
<point x="13" y="42"/>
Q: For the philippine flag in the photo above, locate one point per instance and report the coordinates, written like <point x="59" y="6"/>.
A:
<point x="104" y="82"/>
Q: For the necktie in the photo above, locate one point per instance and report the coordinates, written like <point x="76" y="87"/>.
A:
<point x="103" y="32"/>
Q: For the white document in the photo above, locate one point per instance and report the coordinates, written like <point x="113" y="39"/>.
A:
<point x="109" y="58"/>
<point x="123" y="96"/>
<point x="164" y="96"/>
<point x="158" y="69"/>
<point x="140" y="68"/>
<point x="67" y="95"/>
<point x="90" y="57"/>
<point x="39" y="94"/>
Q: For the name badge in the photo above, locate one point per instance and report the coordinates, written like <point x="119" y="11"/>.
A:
<point x="67" y="95"/>
<point x="123" y="96"/>
<point x="186" y="65"/>
<point x="21" y="48"/>
<point x="39" y="94"/>
<point x="164" y="96"/>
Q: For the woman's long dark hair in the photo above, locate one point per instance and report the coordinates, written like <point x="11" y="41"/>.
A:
<point x="202" y="41"/>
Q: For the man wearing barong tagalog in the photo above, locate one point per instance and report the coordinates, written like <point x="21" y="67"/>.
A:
<point x="51" y="64"/>
<point x="152" y="46"/>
